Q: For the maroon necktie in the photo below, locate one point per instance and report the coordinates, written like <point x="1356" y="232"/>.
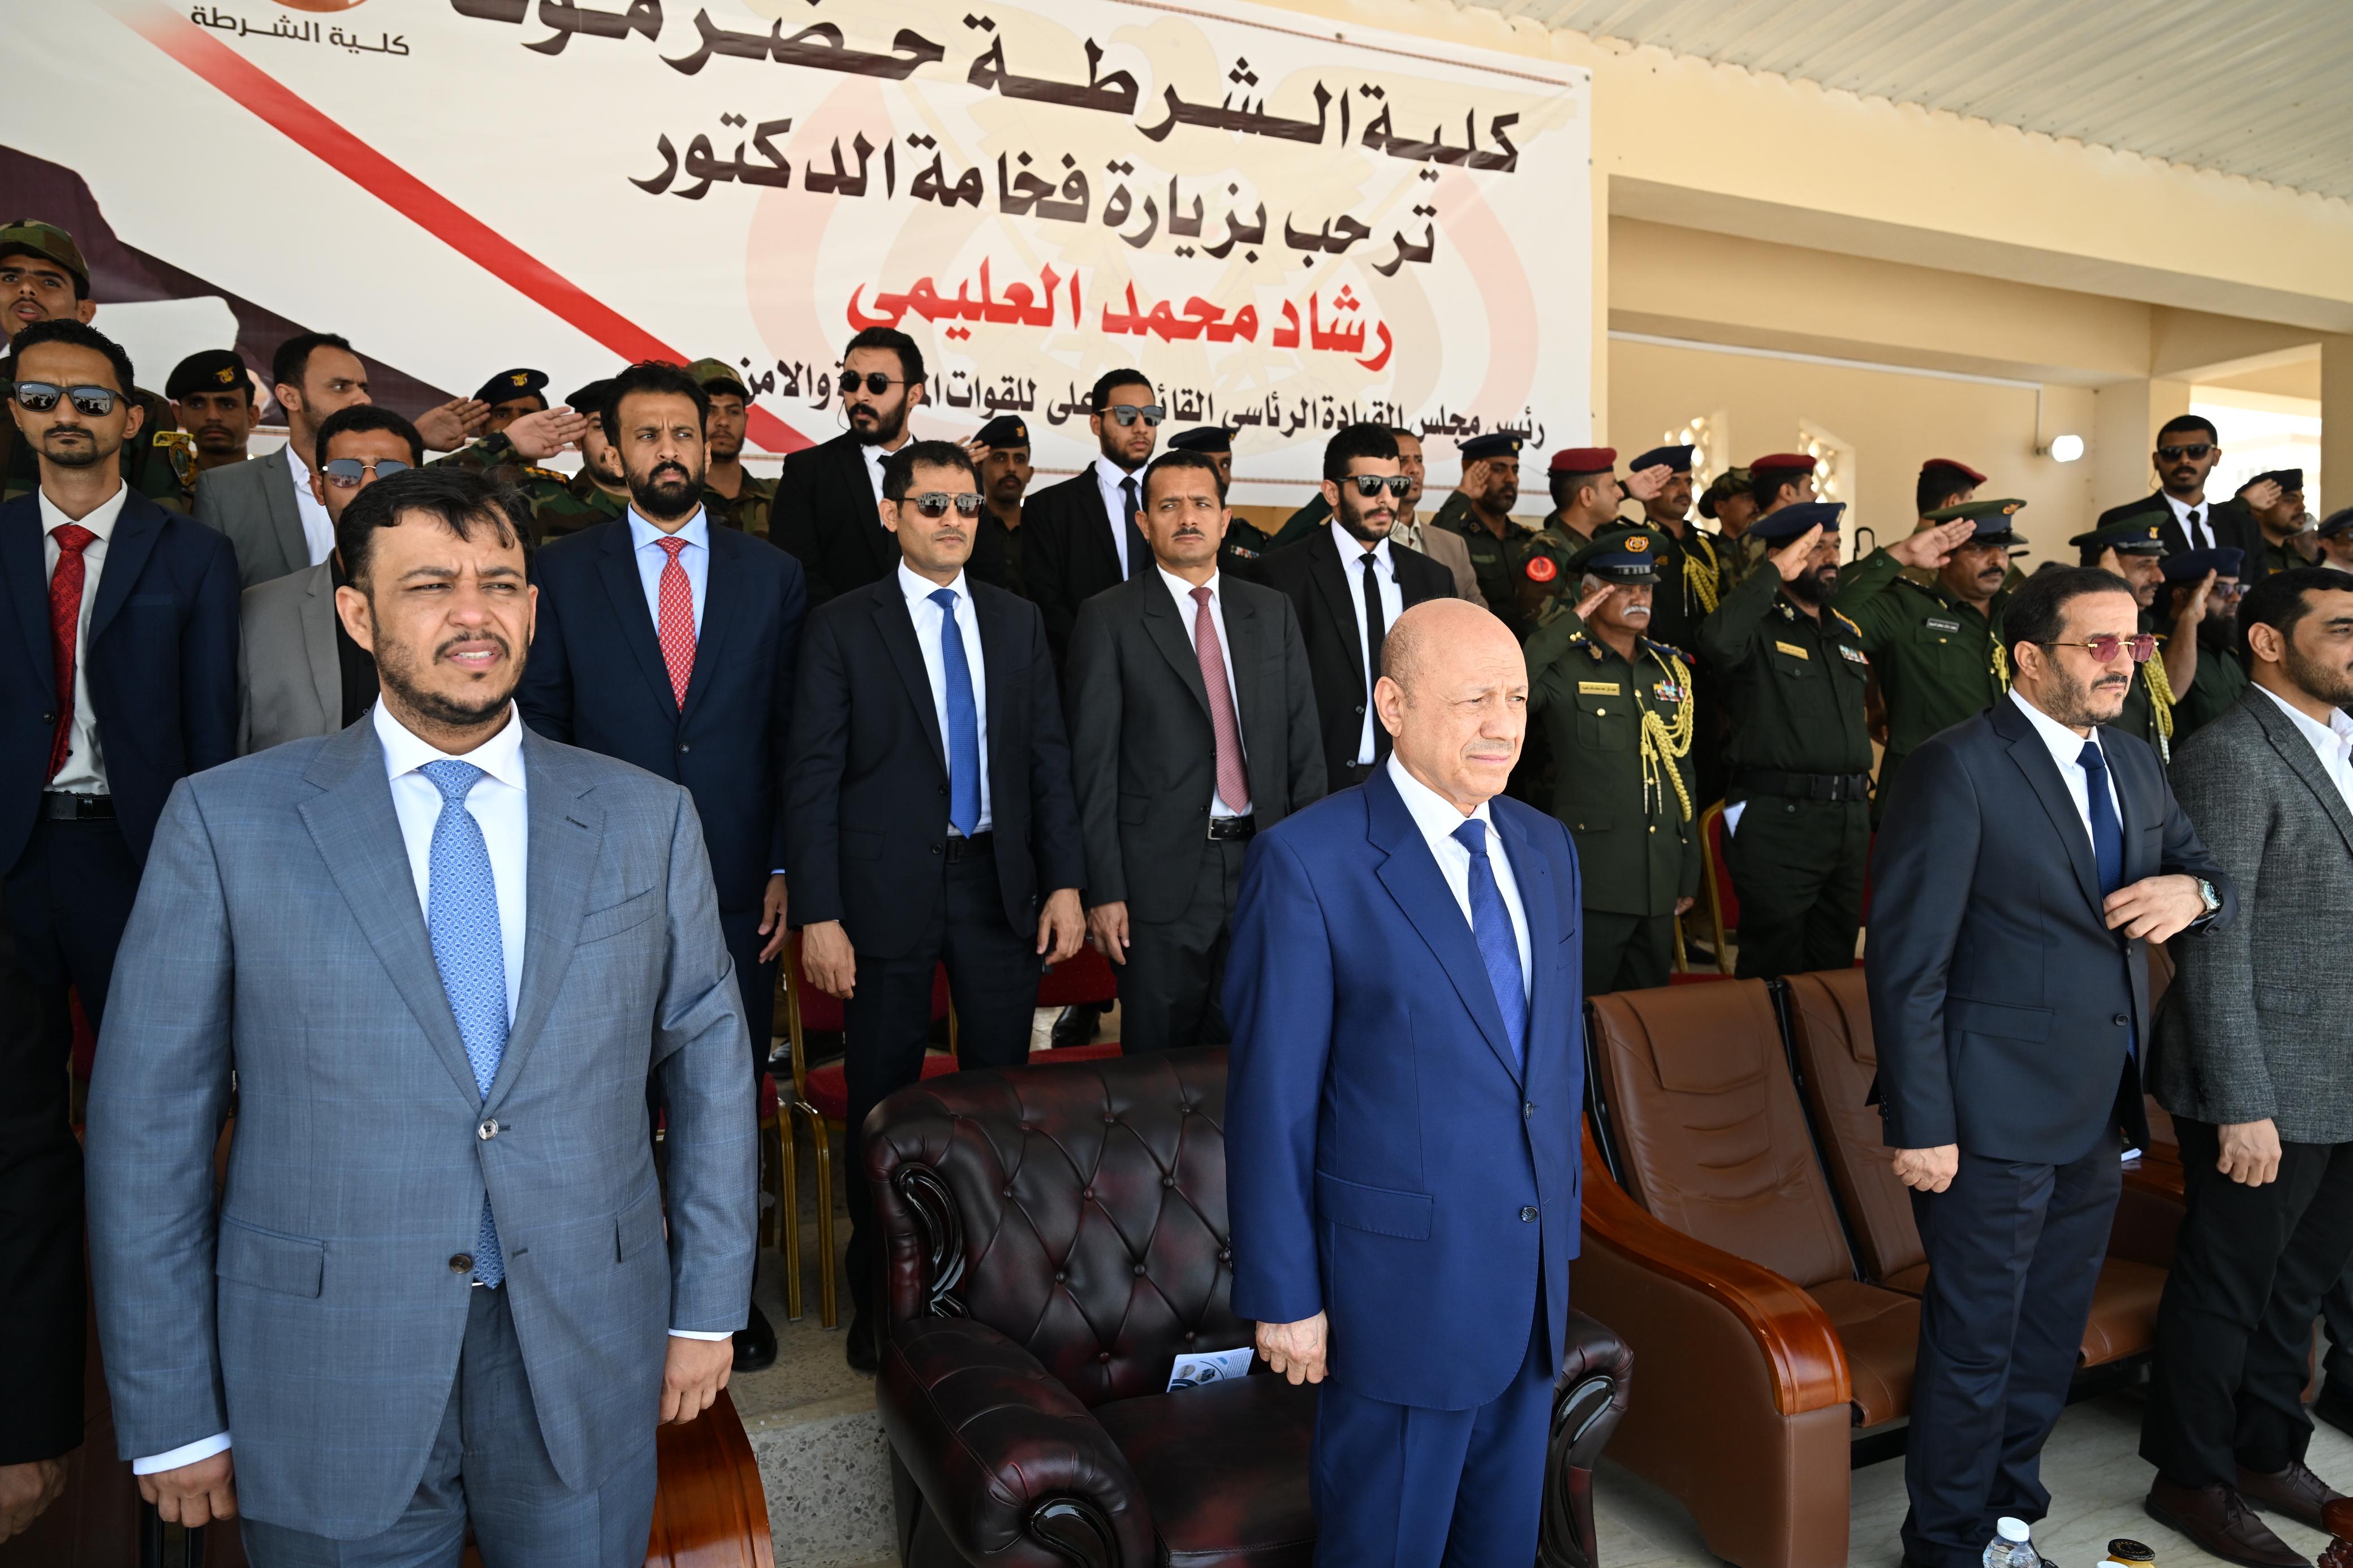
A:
<point x="1233" y="782"/>
<point x="65" y="622"/>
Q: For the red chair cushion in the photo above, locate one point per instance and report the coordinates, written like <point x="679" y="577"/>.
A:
<point x="1225" y="1468"/>
<point x="822" y="1010"/>
<point x="768" y="1098"/>
<point x="1075" y="981"/>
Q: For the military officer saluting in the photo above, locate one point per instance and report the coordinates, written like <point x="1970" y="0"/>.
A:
<point x="1583" y="483"/>
<point x="1796" y="821"/>
<point x="1937" y="644"/>
<point x="1617" y="707"/>
<point x="2132" y="546"/>
<point x="1480" y="510"/>
<point x="1731" y="505"/>
<point x="1691" y="578"/>
<point x="2199" y="598"/>
<point x="509" y="396"/>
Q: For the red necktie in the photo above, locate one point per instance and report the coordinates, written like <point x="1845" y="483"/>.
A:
<point x="1233" y="782"/>
<point x="676" y="627"/>
<point x="64" y="623"/>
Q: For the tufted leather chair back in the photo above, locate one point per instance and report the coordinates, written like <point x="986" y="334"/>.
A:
<point x="1078" y="1208"/>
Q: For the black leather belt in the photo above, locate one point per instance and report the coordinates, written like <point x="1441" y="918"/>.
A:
<point x="1225" y="829"/>
<point x="1803" y="787"/>
<point x="971" y="848"/>
<point x="59" y="807"/>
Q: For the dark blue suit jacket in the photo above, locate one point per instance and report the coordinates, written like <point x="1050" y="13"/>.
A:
<point x="595" y="679"/>
<point x="1381" y="1147"/>
<point x="161" y="662"/>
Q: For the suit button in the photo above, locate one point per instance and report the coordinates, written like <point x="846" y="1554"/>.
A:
<point x="1360" y="710"/>
<point x="1527" y="1109"/>
<point x="1528" y="1216"/>
<point x="463" y="1263"/>
<point x="488" y="1130"/>
<point x="936" y="849"/>
<point x="685" y="746"/>
<point x="944" y="789"/>
<point x="48" y="717"/>
<point x="2120" y="1021"/>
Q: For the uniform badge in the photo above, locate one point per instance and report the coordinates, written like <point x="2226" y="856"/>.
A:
<point x="1793" y="650"/>
<point x="1936" y="624"/>
<point x="1541" y="569"/>
<point x="1668" y="692"/>
<point x="180" y="449"/>
<point x="1597" y="689"/>
<point x="1853" y="655"/>
<point x="1242" y="554"/>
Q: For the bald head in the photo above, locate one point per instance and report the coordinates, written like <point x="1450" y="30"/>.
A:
<point x="1454" y="696"/>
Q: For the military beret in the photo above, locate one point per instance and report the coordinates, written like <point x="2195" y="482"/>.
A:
<point x="1951" y="466"/>
<point x="2336" y="522"/>
<point x="1993" y="518"/>
<point x="592" y="399"/>
<point x="1783" y="462"/>
<point x="2141" y="533"/>
<point x="2188" y="565"/>
<point x="1583" y="460"/>
<point x="1731" y="482"/>
<point x="1621" y="555"/>
<point x="1494" y="444"/>
<point x="2286" y="479"/>
<point x="1678" y="459"/>
<point x="510" y="384"/>
<point x="208" y="370"/>
<point x="1005" y="430"/>
<point x="1792" y="520"/>
<point x="1202" y="438"/>
<point x="31" y="237"/>
<point x="712" y="374"/>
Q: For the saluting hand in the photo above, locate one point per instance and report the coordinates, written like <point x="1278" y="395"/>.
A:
<point x="453" y="424"/>
<point x="1798" y="554"/>
<point x="1061" y="926"/>
<point x="1595" y="600"/>
<point x="1644" y="484"/>
<point x="1932" y="547"/>
<point x="537" y="436"/>
<point x="2262" y="494"/>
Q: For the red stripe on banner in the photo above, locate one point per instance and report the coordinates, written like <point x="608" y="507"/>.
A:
<point x="279" y="107"/>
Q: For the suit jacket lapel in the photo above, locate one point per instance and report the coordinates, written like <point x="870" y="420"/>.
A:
<point x="1533" y="872"/>
<point x="1332" y="581"/>
<point x="2294" y="749"/>
<point x="318" y="623"/>
<point x="618" y="568"/>
<point x="2033" y="760"/>
<point x="726" y="598"/>
<point x="1168" y="635"/>
<point x="1006" y="767"/>
<point x="357" y="833"/>
<point x="898" y="632"/>
<point x="285" y="512"/>
<point x="567" y="833"/>
<point x="24" y="561"/>
<point x="1411" y="873"/>
<point x="882" y="544"/>
<point x="127" y="549"/>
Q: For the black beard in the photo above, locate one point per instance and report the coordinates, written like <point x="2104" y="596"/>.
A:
<point x="1809" y="588"/>
<point x="394" y="674"/>
<point x="886" y="428"/>
<point x="2332" y="685"/>
<point x="82" y="456"/>
<point x="656" y="499"/>
<point x="1351" y="519"/>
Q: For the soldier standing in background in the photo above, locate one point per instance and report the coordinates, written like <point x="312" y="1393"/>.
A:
<point x="2133" y="547"/>
<point x="213" y="397"/>
<point x="1480" y="510"/>
<point x="732" y="495"/>
<point x="1001" y="454"/>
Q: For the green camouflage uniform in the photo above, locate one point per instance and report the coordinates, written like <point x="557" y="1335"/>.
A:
<point x="558" y="505"/>
<point x="748" y="511"/>
<point x="1940" y="658"/>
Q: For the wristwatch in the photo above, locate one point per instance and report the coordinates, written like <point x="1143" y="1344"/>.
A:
<point x="2213" y="901"/>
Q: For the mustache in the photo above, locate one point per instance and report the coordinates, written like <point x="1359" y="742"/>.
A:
<point x="484" y="635"/>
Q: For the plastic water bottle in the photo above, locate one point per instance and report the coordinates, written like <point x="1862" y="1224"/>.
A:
<point x="2010" y="1546"/>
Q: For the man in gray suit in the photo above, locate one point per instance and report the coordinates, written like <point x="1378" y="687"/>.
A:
<point x="1192" y="728"/>
<point x="2252" y="1058"/>
<point x="442" y="955"/>
<point x="298" y="673"/>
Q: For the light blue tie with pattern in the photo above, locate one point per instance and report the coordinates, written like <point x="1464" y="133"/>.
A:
<point x="964" y="719"/>
<point x="462" y="915"/>
<point x="1499" y="941"/>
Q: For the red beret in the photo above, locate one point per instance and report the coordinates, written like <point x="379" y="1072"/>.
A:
<point x="1956" y="467"/>
<point x="1797" y="460"/>
<point x="1583" y="460"/>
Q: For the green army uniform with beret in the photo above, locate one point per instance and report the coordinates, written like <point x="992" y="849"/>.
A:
<point x="1940" y="658"/>
<point x="747" y="510"/>
<point x="2147" y="712"/>
<point x="1620" y="737"/>
<point x="1497" y="564"/>
<point x="1800" y="760"/>
<point x="1734" y="559"/>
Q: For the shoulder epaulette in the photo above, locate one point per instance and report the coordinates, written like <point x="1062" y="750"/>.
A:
<point x="1848" y="624"/>
<point x="549" y="474"/>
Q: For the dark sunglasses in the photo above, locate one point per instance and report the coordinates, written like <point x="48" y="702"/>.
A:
<point x="2194" y="449"/>
<point x="40" y="396"/>
<point x="874" y="381"/>
<point x="1127" y="414"/>
<point x="1370" y="485"/>
<point x="345" y="473"/>
<point x="2105" y="648"/>
<point x="934" y="504"/>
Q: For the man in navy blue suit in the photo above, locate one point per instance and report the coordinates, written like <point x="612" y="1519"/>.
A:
<point x="124" y="666"/>
<point x="1402" y="1133"/>
<point x="670" y="643"/>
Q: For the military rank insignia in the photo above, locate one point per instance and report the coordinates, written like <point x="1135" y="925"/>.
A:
<point x="180" y="448"/>
<point x="1853" y="655"/>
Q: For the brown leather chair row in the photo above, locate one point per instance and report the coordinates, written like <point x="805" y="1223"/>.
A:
<point x="1757" y="1253"/>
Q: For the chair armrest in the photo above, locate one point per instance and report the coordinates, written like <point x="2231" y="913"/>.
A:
<point x="1588" y="1399"/>
<point x="1804" y="1363"/>
<point x="708" y="1506"/>
<point x="1016" y="1470"/>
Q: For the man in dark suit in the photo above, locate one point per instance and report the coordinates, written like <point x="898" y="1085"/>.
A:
<point x="668" y="642"/>
<point x="1192" y="728"/>
<point x="41" y="1368"/>
<point x="125" y="683"/>
<point x="2187" y="448"/>
<point x="1405" y="976"/>
<point x="2250" y="1058"/>
<point x="928" y="811"/>
<point x="2029" y="857"/>
<point x="1082" y="532"/>
<point x="1349" y="586"/>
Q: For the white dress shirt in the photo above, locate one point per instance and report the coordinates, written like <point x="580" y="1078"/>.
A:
<point x="1185" y="611"/>
<point x="1438" y="819"/>
<point x="874" y="456"/>
<point x="2066" y="750"/>
<point x="85" y="769"/>
<point x="2331" y="743"/>
<point x="928" y="618"/>
<point x="2200" y="536"/>
<point x="1384" y="570"/>
<point x="1109" y="477"/>
<point x="317" y="528"/>
<point x="645" y="543"/>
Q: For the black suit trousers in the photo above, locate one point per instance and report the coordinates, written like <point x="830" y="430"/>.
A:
<point x="740" y="929"/>
<point x="1176" y="970"/>
<point x="69" y="896"/>
<point x="2234" y="1329"/>
<point x="993" y="984"/>
<point x="2015" y="1251"/>
<point x="42" y="1313"/>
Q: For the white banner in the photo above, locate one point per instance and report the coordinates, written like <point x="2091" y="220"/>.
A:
<point x="1284" y="229"/>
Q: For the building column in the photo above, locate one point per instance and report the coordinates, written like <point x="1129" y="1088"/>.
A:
<point x="2335" y="428"/>
<point x="2125" y="420"/>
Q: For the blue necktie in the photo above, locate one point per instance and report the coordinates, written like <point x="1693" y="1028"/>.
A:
<point x="462" y="915"/>
<point x="2107" y="833"/>
<point x="1499" y="943"/>
<point x="964" y="720"/>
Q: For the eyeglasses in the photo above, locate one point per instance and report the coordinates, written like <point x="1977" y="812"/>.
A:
<point x="40" y="396"/>
<point x="1127" y="413"/>
<point x="874" y="381"/>
<point x="2226" y="590"/>
<point x="1371" y="485"/>
<point x="345" y="473"/>
<point x="2194" y="449"/>
<point x="2105" y="648"/>
<point x="934" y="504"/>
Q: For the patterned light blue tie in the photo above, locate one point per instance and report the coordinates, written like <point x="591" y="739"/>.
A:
<point x="964" y="720"/>
<point x="1499" y="943"/>
<point x="462" y="914"/>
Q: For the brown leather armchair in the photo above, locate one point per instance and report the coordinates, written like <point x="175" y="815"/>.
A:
<point x="1053" y="1238"/>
